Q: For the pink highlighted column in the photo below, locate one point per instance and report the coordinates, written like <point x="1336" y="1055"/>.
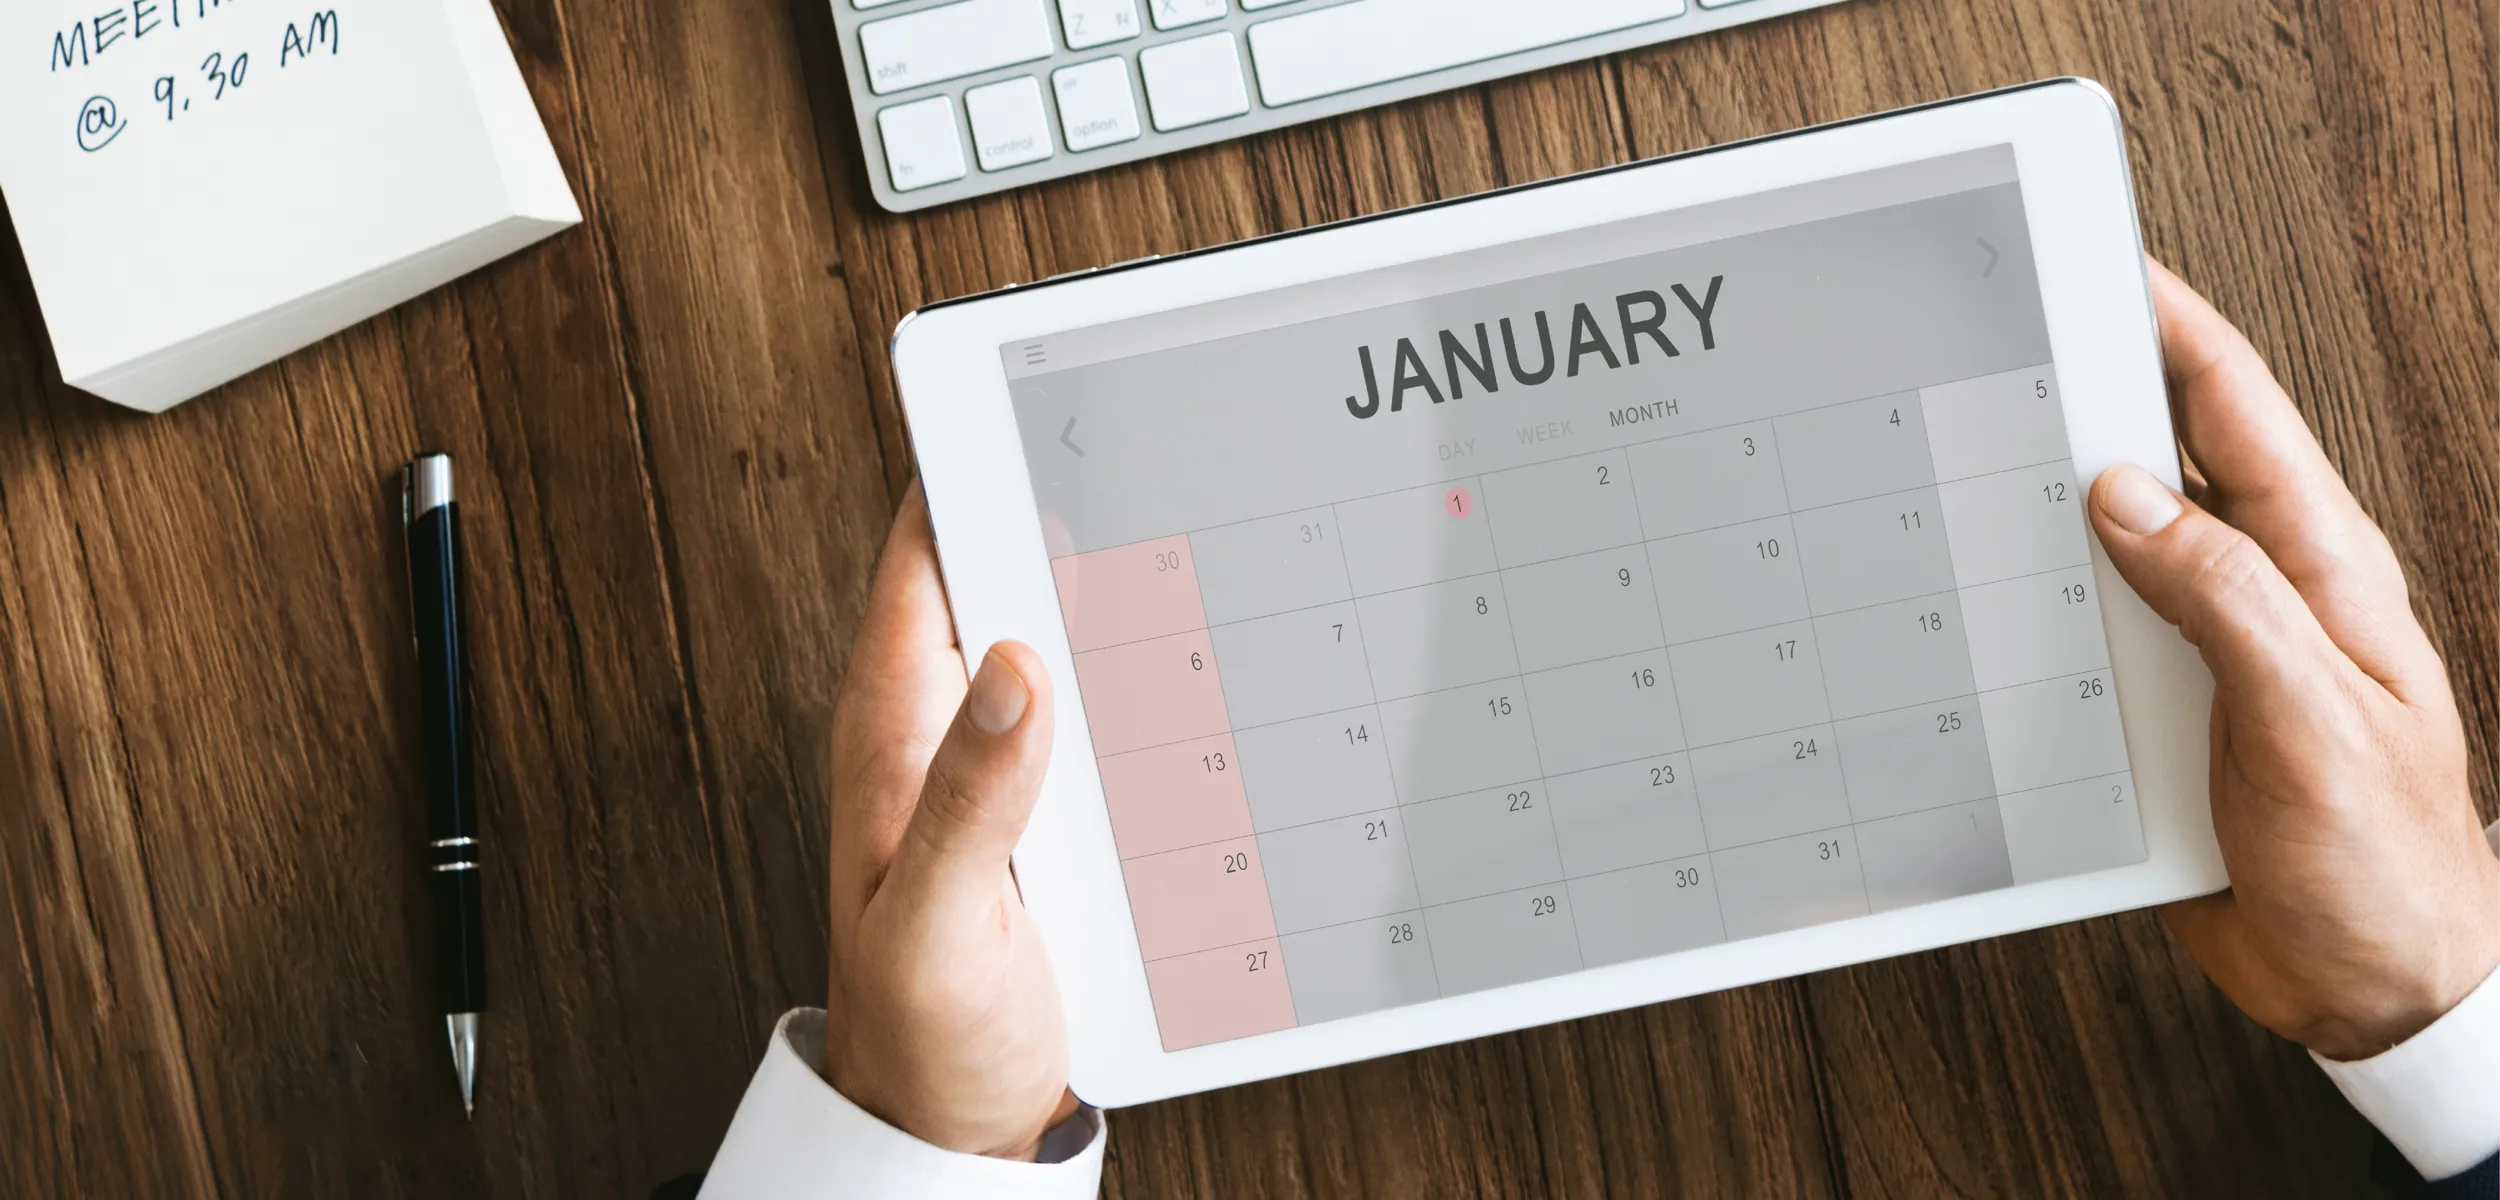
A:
<point x="1151" y="693"/>
<point x="1219" y="995"/>
<point x="1154" y="703"/>
<point x="1126" y="593"/>
<point x="1212" y="960"/>
<point x="1176" y="795"/>
<point x="1201" y="897"/>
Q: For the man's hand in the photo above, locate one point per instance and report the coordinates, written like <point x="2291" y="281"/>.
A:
<point x="2364" y="901"/>
<point x="942" y="1016"/>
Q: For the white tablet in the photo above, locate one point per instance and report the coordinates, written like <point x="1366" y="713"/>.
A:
<point x="1591" y="593"/>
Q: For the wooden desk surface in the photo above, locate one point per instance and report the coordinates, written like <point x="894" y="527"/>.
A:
<point x="681" y="448"/>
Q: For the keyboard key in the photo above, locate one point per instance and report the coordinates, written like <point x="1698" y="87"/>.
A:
<point x="921" y="145"/>
<point x="1194" y="82"/>
<point x="1356" y="45"/>
<point x="1172" y="14"/>
<point x="883" y="3"/>
<point x="1009" y="128"/>
<point x="1246" y="5"/>
<point x="953" y="40"/>
<point x="1090" y="23"/>
<point x="1096" y="107"/>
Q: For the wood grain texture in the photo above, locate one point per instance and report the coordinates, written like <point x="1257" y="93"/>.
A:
<point x="680" y="447"/>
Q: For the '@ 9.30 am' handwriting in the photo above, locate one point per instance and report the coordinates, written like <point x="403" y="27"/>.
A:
<point x="140" y="24"/>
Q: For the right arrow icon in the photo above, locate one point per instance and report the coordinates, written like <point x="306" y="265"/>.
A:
<point x="1993" y="256"/>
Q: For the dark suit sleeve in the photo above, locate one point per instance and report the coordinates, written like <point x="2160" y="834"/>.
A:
<point x="2392" y="1172"/>
<point x="2481" y="1183"/>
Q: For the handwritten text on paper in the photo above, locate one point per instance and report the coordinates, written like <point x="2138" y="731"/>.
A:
<point x="142" y="24"/>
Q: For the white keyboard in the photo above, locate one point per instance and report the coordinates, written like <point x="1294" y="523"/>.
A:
<point x="959" y="98"/>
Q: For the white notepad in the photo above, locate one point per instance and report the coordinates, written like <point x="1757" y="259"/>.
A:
<point x="202" y="186"/>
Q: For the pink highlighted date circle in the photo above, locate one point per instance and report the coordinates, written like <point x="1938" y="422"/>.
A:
<point x="1458" y="503"/>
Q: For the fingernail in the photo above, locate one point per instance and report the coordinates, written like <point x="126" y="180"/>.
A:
<point x="999" y="696"/>
<point x="2141" y="504"/>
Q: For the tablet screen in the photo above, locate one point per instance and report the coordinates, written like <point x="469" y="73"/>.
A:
<point x="1680" y="580"/>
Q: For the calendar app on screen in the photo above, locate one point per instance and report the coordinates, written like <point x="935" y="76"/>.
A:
<point x="1708" y="575"/>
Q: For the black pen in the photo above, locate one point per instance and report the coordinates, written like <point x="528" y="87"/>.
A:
<point x="433" y="528"/>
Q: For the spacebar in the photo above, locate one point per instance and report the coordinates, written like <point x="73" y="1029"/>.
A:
<point x="1374" y="41"/>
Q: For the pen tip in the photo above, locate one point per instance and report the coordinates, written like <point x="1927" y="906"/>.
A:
<point x="463" y="1028"/>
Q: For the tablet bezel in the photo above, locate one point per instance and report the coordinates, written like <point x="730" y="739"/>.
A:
<point x="2071" y="160"/>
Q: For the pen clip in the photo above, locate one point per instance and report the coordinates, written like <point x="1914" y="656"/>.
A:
<point x="407" y="562"/>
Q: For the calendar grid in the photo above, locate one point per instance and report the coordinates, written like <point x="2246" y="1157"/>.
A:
<point x="1400" y="695"/>
<point x="1527" y="709"/>
<point x="1595" y="659"/>
<point x="1683" y="730"/>
<point x="1394" y="793"/>
<point x="1839" y="757"/>
<point x="1637" y="441"/>
<point x="1715" y="845"/>
<point x="1644" y="540"/>
<point x="1371" y="917"/>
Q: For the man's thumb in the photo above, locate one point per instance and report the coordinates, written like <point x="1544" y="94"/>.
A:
<point x="2226" y="596"/>
<point x="984" y="778"/>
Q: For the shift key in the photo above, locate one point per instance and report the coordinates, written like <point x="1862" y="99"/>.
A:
<point x="952" y="41"/>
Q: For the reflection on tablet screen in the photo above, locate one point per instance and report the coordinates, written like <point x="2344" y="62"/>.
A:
<point x="1686" y="579"/>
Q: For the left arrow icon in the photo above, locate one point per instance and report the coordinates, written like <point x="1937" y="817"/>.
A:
<point x="1067" y="438"/>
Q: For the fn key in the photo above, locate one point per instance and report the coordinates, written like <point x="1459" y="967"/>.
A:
<point x="922" y="147"/>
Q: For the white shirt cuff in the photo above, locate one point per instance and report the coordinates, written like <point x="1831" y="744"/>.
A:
<point x="794" y="1136"/>
<point x="2437" y="1094"/>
